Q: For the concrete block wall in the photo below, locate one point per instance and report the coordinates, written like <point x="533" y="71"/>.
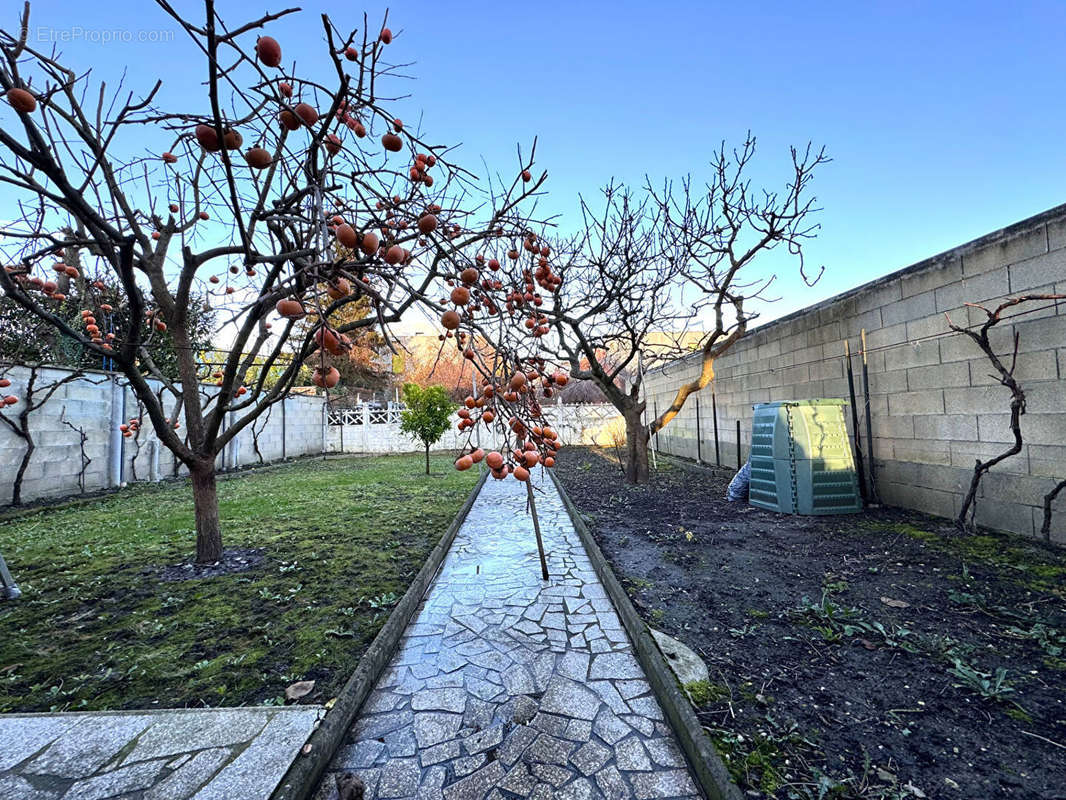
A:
<point x="575" y="424"/>
<point x="934" y="407"/>
<point x="97" y="403"/>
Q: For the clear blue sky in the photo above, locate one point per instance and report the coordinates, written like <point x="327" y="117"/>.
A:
<point x="945" y="120"/>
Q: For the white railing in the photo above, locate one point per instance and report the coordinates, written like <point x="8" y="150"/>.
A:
<point x="365" y="414"/>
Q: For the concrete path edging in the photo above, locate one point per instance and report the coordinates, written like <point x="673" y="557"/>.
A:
<point x="707" y="766"/>
<point x="303" y="775"/>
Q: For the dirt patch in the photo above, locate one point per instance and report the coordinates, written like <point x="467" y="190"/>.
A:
<point x="880" y="655"/>
<point x="234" y="560"/>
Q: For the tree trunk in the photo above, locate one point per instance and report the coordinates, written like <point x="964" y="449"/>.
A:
<point x="427" y="459"/>
<point x="16" y="486"/>
<point x="205" y="500"/>
<point x="636" y="449"/>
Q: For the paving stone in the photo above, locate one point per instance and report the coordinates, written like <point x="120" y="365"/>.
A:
<point x="184" y="782"/>
<point x="173" y="732"/>
<point x="81" y="751"/>
<point x="432" y="784"/>
<point x="400" y="777"/>
<point x="612" y="785"/>
<point x="22" y="736"/>
<point x="401" y="743"/>
<point x="477" y="785"/>
<point x="177" y="761"/>
<point x="525" y="708"/>
<point x="570" y="698"/>
<point x="609" y="695"/>
<point x="578" y="730"/>
<point x="549" y="750"/>
<point x="519" y="680"/>
<point x="382" y="701"/>
<point x="590" y="758"/>
<point x="615" y="666"/>
<point x="117" y="782"/>
<point x="518" y="780"/>
<point x="550" y="723"/>
<point x="467" y="764"/>
<point x="642" y="724"/>
<point x="515" y="744"/>
<point x="484" y="740"/>
<point x="669" y="783"/>
<point x="647" y="707"/>
<point x="438" y="753"/>
<point x="552" y="773"/>
<point x="631" y="689"/>
<point x="259" y="768"/>
<point x="580" y="789"/>
<point x="631" y="756"/>
<point x="435" y="727"/>
<point x="609" y="727"/>
<point x="665" y="753"/>
<point x="574" y="665"/>
<point x="19" y="788"/>
<point x="359" y="755"/>
<point x="439" y="700"/>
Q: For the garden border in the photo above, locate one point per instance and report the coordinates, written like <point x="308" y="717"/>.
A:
<point x="707" y="766"/>
<point x="303" y="775"/>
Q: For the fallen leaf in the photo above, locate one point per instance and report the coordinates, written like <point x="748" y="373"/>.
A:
<point x="867" y="644"/>
<point x="888" y="601"/>
<point x="299" y="689"/>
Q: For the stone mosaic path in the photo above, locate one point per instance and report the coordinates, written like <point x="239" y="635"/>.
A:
<point x="206" y="754"/>
<point x="505" y="686"/>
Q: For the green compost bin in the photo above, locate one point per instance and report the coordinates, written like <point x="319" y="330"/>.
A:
<point x="801" y="460"/>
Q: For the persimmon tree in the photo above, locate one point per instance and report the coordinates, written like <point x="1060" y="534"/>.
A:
<point x="648" y="268"/>
<point x="428" y="414"/>
<point x="240" y="197"/>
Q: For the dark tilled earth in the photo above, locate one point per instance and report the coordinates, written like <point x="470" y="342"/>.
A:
<point x="881" y="655"/>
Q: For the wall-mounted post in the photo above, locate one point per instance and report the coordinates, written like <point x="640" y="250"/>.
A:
<point x="714" y="421"/>
<point x="284" y="436"/>
<point x="366" y="427"/>
<point x="855" y="422"/>
<point x="869" y="426"/>
<point x="738" y="446"/>
<point x="699" y="434"/>
<point x="115" y="439"/>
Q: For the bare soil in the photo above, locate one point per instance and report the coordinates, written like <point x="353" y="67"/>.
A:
<point x="881" y="655"/>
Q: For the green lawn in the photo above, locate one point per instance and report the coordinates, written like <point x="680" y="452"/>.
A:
<point x="97" y="627"/>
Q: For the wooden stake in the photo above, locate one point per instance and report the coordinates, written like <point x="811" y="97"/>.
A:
<point x="855" y="421"/>
<point x="536" y="528"/>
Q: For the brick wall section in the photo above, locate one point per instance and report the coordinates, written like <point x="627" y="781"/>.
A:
<point x="89" y="403"/>
<point x="934" y="406"/>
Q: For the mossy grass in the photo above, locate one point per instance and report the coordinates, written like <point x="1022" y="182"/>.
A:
<point x="98" y="628"/>
<point x="1029" y="563"/>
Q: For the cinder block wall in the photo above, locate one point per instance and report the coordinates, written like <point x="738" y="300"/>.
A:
<point x="576" y="424"/>
<point x="934" y="406"/>
<point x="95" y="405"/>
